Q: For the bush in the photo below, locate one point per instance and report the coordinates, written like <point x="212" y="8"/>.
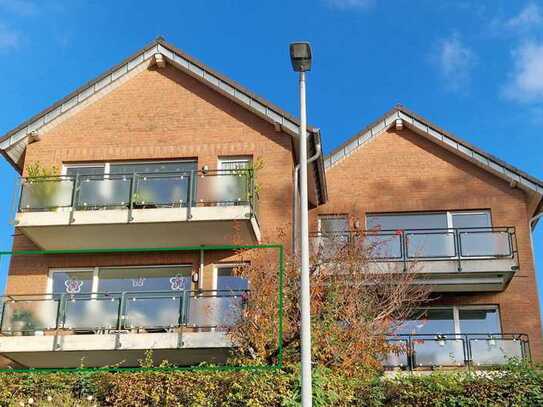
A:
<point x="515" y="385"/>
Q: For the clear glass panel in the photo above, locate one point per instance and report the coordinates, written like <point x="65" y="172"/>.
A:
<point x="72" y="282"/>
<point x="28" y="316"/>
<point x="384" y="246"/>
<point x="398" y="356"/>
<point x="495" y="351"/>
<point x="407" y="221"/>
<point x="438" y="352"/>
<point x="480" y="244"/>
<point x="333" y="224"/>
<point x="222" y="188"/>
<point x="479" y="321"/>
<point x="91" y="314"/>
<point x="168" y="278"/>
<point x="429" y="321"/>
<point x="46" y="194"/>
<point x="430" y="244"/>
<point x="101" y="193"/>
<point x="471" y="220"/>
<point x="154" y="168"/>
<point x="215" y="311"/>
<point x="152" y="312"/>
<point x="162" y="190"/>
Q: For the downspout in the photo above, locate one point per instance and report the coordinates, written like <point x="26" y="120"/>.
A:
<point x="295" y="202"/>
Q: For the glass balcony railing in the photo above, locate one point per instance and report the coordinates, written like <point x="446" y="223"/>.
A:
<point x="457" y="244"/>
<point x="138" y="191"/>
<point x="142" y="311"/>
<point x="455" y="350"/>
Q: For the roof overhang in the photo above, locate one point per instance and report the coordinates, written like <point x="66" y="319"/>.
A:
<point x="13" y="144"/>
<point x="517" y="178"/>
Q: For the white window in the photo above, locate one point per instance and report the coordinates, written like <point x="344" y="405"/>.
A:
<point x="235" y="163"/>
<point x="469" y="319"/>
<point x="431" y="220"/>
<point x="333" y="224"/>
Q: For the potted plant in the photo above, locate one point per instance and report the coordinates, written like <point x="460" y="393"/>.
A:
<point x="22" y="322"/>
<point x="43" y="189"/>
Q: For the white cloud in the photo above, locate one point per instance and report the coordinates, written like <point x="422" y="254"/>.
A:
<point x="19" y="7"/>
<point x="455" y="62"/>
<point x="528" y="18"/>
<point x="526" y="81"/>
<point x="9" y="38"/>
<point x="350" y="4"/>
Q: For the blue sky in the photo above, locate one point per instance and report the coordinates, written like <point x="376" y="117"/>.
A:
<point x="474" y="68"/>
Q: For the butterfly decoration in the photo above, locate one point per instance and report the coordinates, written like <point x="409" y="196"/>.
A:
<point x="73" y="286"/>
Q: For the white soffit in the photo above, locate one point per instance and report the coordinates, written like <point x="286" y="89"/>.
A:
<point x="450" y="144"/>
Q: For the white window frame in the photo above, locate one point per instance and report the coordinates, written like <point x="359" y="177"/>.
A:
<point x="449" y="215"/>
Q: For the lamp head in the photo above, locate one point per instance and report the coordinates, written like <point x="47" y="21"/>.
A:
<point x="300" y="56"/>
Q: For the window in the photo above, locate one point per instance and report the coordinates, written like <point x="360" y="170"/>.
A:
<point x="333" y="224"/>
<point x="134" y="279"/>
<point x="438" y="235"/>
<point x="235" y="163"/>
<point x="72" y="282"/>
<point x="121" y="279"/>
<point x="438" y="220"/>
<point x="153" y="167"/>
<point x="476" y="319"/>
<point x="227" y="279"/>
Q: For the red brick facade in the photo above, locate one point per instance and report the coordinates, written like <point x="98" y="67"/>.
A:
<point x="166" y="114"/>
<point x="401" y="171"/>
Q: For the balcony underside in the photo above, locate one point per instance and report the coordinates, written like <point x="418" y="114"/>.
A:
<point x="123" y="350"/>
<point x="143" y="228"/>
<point x="445" y="276"/>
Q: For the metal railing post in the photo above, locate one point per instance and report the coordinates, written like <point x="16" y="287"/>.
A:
<point x="131" y="197"/>
<point x="458" y="247"/>
<point x="403" y="249"/>
<point x="190" y="195"/>
<point x="74" y="193"/>
<point x="121" y="313"/>
<point x="61" y="312"/>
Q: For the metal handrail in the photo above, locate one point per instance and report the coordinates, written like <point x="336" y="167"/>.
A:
<point x="402" y="236"/>
<point x="120" y="299"/>
<point x="250" y="195"/>
<point x="410" y="342"/>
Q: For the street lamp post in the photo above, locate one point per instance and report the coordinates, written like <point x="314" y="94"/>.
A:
<point x="300" y="56"/>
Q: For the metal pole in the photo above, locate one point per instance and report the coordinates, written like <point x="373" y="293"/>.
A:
<point x="305" y="301"/>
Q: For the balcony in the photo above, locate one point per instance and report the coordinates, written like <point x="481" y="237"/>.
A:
<point x="99" y="329"/>
<point x="139" y="210"/>
<point x="450" y="260"/>
<point x="477" y="351"/>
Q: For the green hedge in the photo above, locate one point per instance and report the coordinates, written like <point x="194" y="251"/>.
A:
<point x="517" y="385"/>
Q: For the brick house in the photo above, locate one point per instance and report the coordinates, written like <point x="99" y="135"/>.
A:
<point x="159" y="151"/>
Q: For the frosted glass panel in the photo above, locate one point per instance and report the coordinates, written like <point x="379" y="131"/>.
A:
<point x="29" y="315"/>
<point x="46" y="194"/>
<point x="430" y="244"/>
<point x="103" y="192"/>
<point x="150" y="312"/>
<point x="89" y="314"/>
<point x="222" y="188"/>
<point x="162" y="190"/>
<point x="495" y="351"/>
<point x="438" y="352"/>
<point x="480" y="244"/>
<point x="212" y="311"/>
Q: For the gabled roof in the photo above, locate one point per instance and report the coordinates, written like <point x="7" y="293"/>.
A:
<point x="13" y="143"/>
<point x="456" y="145"/>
